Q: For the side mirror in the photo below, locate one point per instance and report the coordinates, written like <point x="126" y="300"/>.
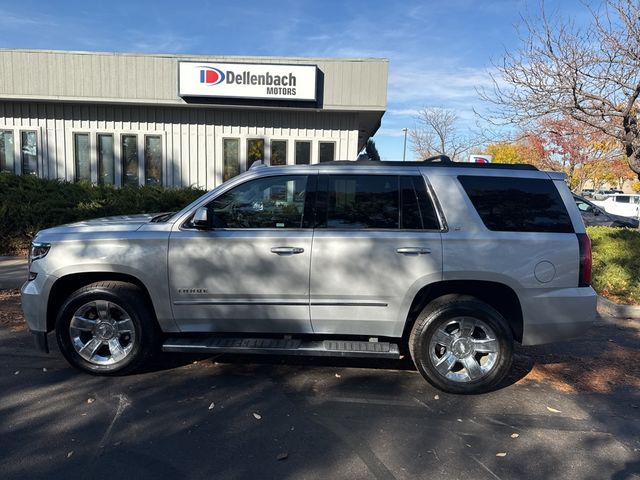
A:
<point x="201" y="218"/>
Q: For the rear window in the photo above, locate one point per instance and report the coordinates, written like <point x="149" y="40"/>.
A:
<point x="509" y="204"/>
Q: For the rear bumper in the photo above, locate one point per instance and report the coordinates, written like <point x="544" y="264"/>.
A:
<point x="559" y="314"/>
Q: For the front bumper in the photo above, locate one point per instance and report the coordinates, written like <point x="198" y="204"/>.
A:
<point x="34" y="297"/>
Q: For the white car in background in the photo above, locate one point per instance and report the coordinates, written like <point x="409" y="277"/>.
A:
<point x="627" y="205"/>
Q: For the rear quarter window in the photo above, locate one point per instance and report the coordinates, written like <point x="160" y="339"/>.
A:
<point x="508" y="204"/>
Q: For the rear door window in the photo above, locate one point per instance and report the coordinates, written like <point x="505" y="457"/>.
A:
<point x="375" y="202"/>
<point x="510" y="204"/>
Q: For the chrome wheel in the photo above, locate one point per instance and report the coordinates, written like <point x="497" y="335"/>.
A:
<point x="102" y="332"/>
<point x="464" y="349"/>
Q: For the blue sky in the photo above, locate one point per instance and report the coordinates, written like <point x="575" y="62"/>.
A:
<point x="439" y="51"/>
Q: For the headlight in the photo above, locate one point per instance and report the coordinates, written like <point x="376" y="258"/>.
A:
<point x="38" y="250"/>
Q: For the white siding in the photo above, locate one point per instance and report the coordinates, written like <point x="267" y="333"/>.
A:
<point x="192" y="137"/>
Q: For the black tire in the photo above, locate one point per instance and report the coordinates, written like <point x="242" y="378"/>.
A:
<point x="436" y="341"/>
<point x="106" y="311"/>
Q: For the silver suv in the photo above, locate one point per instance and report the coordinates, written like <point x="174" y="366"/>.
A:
<point x="449" y="262"/>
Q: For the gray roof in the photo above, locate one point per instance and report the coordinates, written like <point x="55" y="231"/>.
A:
<point x="349" y="84"/>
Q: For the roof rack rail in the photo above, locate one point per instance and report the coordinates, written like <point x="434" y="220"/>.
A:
<point x="441" y="158"/>
<point x="436" y="164"/>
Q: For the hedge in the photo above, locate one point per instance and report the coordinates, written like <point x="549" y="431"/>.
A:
<point x="29" y="204"/>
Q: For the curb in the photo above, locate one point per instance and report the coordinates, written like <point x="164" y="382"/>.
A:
<point x="607" y="307"/>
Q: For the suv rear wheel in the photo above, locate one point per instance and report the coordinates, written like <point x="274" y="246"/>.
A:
<point x="461" y="344"/>
<point x="106" y="328"/>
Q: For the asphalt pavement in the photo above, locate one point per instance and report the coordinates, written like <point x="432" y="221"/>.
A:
<point x="237" y="417"/>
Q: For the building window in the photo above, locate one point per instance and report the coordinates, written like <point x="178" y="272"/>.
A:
<point x="7" y="163"/>
<point x="130" y="160"/>
<point x="303" y="153"/>
<point x="230" y="158"/>
<point x="327" y="151"/>
<point x="278" y="152"/>
<point x="82" y="156"/>
<point x="106" y="174"/>
<point x="153" y="160"/>
<point x="255" y="151"/>
<point x="29" y="149"/>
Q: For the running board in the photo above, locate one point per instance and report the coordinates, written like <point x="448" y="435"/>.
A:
<point x="281" y="346"/>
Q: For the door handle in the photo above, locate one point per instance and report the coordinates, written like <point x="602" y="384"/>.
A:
<point x="287" y="250"/>
<point x="413" y="250"/>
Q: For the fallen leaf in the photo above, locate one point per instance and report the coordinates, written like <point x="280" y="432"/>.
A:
<point x="515" y="435"/>
<point x="257" y="416"/>
<point x="337" y="375"/>
<point x="282" y="456"/>
<point x="211" y="406"/>
<point x="436" y="397"/>
<point x="69" y="454"/>
<point x="90" y="400"/>
<point x="16" y="372"/>
<point x="459" y="419"/>
<point x="553" y="410"/>
<point x="501" y="454"/>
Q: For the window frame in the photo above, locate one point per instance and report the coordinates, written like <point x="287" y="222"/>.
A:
<point x="13" y="152"/>
<point x="321" y="205"/>
<point x="36" y="131"/>
<point x="330" y="142"/>
<point x="286" y="151"/>
<point x="246" y="151"/>
<point x="547" y="182"/>
<point x="122" y="159"/>
<point x="113" y="160"/>
<point x="308" y="215"/>
<point x="222" y="158"/>
<point x="144" y="158"/>
<point x="295" y="152"/>
<point x="74" y="146"/>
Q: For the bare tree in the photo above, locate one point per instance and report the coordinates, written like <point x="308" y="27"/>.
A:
<point x="591" y="75"/>
<point x="436" y="133"/>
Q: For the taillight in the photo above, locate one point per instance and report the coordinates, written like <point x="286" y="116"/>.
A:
<point x="585" y="260"/>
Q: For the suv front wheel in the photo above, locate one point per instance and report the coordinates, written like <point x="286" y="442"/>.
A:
<point x="461" y="345"/>
<point x="106" y="328"/>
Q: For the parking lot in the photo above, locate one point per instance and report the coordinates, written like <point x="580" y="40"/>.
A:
<point x="568" y="410"/>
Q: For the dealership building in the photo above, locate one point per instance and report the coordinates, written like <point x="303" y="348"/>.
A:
<point x="180" y="120"/>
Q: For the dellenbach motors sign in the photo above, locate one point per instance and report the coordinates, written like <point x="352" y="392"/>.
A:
<point x="247" y="80"/>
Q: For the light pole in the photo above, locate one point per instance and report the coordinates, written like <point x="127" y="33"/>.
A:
<point x="404" y="149"/>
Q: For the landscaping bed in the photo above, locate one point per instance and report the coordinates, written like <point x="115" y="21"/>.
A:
<point x="616" y="263"/>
